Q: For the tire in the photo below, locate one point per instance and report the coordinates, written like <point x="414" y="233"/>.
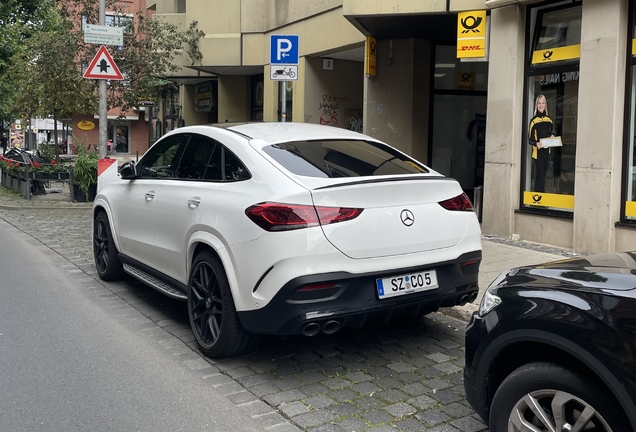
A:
<point x="107" y="263"/>
<point x="212" y="313"/>
<point x="545" y="386"/>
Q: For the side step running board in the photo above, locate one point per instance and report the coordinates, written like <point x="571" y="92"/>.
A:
<point x="155" y="283"/>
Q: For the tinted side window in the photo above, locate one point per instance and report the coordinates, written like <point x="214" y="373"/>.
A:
<point x="339" y="158"/>
<point x="162" y="159"/>
<point x="215" y="165"/>
<point x="194" y="161"/>
<point x="234" y="169"/>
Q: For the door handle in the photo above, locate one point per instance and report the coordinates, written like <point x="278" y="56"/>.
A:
<point x="194" y="202"/>
<point x="150" y="195"/>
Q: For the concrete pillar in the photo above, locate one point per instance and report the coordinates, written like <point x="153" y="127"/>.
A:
<point x="504" y="124"/>
<point x="396" y="100"/>
<point x="599" y="144"/>
<point x="234" y="99"/>
<point x="298" y="92"/>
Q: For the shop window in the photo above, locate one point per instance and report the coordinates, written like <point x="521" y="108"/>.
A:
<point x="552" y="89"/>
<point x="629" y="189"/>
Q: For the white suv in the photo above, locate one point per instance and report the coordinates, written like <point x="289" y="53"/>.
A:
<point x="286" y="228"/>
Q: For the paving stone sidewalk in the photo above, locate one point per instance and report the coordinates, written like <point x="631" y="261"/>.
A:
<point x="397" y="376"/>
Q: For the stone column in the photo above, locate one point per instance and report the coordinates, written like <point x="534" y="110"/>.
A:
<point x="600" y="125"/>
<point x="504" y="123"/>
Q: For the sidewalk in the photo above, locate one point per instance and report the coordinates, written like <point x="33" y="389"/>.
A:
<point x="499" y="254"/>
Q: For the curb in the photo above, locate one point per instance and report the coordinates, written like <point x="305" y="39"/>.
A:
<point x="11" y="208"/>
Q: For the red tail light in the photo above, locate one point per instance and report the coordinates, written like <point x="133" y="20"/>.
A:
<point x="458" y="203"/>
<point x="285" y="217"/>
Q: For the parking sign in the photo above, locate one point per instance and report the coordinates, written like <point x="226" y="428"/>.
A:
<point x="283" y="49"/>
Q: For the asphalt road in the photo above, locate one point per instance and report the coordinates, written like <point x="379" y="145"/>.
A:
<point x="74" y="357"/>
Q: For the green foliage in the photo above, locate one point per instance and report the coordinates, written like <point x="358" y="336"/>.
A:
<point x="48" y="151"/>
<point x="149" y="53"/>
<point x="19" y="21"/>
<point x="85" y="169"/>
<point x="192" y="36"/>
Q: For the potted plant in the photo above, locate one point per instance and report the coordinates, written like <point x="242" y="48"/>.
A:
<point x="84" y="175"/>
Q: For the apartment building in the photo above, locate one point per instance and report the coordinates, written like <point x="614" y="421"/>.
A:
<point x="469" y="119"/>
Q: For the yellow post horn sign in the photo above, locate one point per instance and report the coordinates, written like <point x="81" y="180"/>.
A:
<point x="370" y="56"/>
<point x="471" y="34"/>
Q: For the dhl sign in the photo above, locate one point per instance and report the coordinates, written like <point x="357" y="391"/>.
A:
<point x="471" y="34"/>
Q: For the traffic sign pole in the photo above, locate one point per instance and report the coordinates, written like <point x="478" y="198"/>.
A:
<point x="283" y="100"/>
<point x="103" y="105"/>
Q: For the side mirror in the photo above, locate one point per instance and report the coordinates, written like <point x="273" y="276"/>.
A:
<point x="128" y="171"/>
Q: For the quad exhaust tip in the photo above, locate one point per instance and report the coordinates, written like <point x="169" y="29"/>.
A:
<point x="313" y="328"/>
<point x="466" y="298"/>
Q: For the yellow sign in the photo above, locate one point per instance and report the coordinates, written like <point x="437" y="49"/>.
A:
<point x="542" y="199"/>
<point x="630" y="208"/>
<point x="465" y="81"/>
<point x="633" y="46"/>
<point x="86" y="125"/>
<point x="556" y="54"/>
<point x="370" y="56"/>
<point x="471" y="34"/>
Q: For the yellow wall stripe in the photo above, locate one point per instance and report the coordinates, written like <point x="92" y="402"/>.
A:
<point x="556" y="54"/>
<point x="630" y="208"/>
<point x="541" y="199"/>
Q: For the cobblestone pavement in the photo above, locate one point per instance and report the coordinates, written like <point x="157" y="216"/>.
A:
<point x="400" y="376"/>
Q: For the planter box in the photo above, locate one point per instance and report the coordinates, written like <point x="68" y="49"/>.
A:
<point x="78" y="195"/>
<point x="52" y="176"/>
<point x="13" y="182"/>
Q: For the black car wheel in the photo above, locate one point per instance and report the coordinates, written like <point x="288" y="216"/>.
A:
<point x="213" y="317"/>
<point x="547" y="397"/>
<point x="106" y="260"/>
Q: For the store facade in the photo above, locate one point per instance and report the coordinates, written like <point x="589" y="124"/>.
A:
<point x="575" y="56"/>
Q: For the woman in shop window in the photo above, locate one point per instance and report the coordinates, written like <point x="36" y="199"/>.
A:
<point x="541" y="126"/>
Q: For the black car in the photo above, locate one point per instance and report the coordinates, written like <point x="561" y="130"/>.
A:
<point x="553" y="347"/>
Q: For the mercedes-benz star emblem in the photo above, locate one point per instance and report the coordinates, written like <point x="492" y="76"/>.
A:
<point x="407" y="217"/>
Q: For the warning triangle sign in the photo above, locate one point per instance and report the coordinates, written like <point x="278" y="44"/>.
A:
<point x="103" y="67"/>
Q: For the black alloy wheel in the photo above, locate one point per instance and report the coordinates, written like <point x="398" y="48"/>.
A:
<point x="213" y="317"/>
<point x="107" y="262"/>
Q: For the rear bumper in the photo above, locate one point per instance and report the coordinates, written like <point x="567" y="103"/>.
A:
<point x="354" y="299"/>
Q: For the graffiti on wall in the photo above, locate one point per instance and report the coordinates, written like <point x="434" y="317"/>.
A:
<point x="329" y="109"/>
<point x="353" y="120"/>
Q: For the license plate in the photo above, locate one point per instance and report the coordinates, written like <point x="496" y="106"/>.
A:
<point x="406" y="284"/>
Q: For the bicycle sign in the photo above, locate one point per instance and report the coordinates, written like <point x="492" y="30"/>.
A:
<point x="283" y="73"/>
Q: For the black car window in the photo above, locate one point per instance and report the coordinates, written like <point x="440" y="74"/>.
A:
<point x="342" y="158"/>
<point x="214" y="168"/>
<point x="234" y="169"/>
<point x="196" y="155"/>
<point x="162" y="159"/>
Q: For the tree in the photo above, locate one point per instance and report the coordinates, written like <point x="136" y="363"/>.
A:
<point x="148" y="55"/>
<point x="19" y="20"/>
<point x="49" y="68"/>
<point x="48" y="75"/>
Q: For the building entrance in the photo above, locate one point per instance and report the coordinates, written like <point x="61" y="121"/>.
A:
<point x="458" y="113"/>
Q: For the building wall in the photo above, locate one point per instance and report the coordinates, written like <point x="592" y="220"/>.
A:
<point x="259" y="16"/>
<point x="234" y="99"/>
<point x="332" y="97"/>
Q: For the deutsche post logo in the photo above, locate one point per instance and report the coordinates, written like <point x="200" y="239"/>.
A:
<point x="466" y="77"/>
<point x="537" y="198"/>
<point x="470" y="24"/>
<point x="547" y="55"/>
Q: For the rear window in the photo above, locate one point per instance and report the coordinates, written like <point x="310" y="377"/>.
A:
<point x="342" y="159"/>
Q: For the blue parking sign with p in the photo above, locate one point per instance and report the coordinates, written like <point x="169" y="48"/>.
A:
<point x="284" y="49"/>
